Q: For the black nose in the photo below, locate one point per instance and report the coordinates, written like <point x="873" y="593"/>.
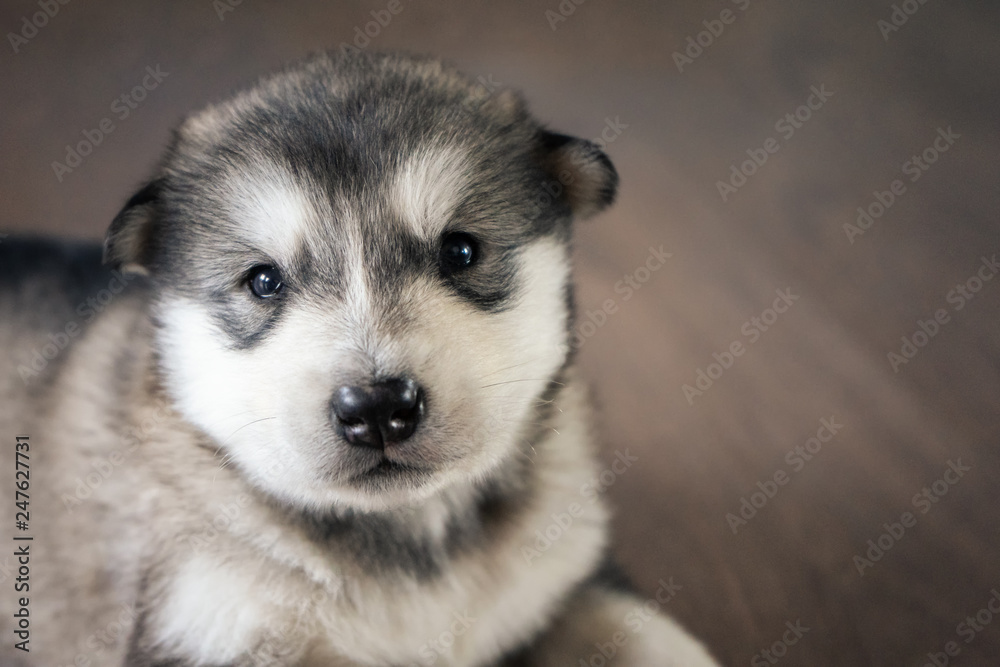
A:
<point x="379" y="414"/>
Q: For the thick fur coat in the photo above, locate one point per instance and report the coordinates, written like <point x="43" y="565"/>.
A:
<point x="196" y="501"/>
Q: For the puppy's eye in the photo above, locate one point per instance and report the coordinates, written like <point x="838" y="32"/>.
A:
<point x="458" y="251"/>
<point x="265" y="281"/>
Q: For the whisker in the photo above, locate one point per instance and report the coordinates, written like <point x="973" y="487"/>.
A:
<point x="501" y="370"/>
<point x="238" y="414"/>
<point x="497" y="384"/>
<point x="228" y="457"/>
<point x="222" y="465"/>
<point x="256" y="421"/>
<point x="245" y="412"/>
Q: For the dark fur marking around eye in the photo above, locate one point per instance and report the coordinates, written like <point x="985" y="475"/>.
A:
<point x="489" y="283"/>
<point x="247" y="324"/>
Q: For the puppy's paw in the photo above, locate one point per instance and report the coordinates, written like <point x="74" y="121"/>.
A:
<point x="663" y="643"/>
<point x="605" y="628"/>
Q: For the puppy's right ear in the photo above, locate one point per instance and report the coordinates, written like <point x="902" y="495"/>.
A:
<point x="127" y="241"/>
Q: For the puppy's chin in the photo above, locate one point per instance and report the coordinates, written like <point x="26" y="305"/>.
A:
<point x="384" y="485"/>
<point x="332" y="475"/>
<point x="388" y="484"/>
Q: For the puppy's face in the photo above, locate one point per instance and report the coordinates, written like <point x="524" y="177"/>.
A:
<point x="362" y="276"/>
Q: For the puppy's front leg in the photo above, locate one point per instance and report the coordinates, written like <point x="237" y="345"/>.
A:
<point x="263" y="653"/>
<point x="201" y="613"/>
<point x="602" y="626"/>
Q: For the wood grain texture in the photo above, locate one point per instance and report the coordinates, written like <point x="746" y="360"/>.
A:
<point x="825" y="358"/>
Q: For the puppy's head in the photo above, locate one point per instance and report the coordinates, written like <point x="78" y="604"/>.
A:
<point x="362" y="275"/>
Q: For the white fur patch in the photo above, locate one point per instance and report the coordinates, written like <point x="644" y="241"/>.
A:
<point x="428" y="187"/>
<point x="274" y="211"/>
<point x="264" y="406"/>
<point x="211" y="614"/>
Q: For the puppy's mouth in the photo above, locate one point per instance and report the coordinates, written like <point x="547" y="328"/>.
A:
<point x="389" y="468"/>
<point x="386" y="470"/>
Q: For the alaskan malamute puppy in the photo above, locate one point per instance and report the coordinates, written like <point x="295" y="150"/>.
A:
<point x="321" y="409"/>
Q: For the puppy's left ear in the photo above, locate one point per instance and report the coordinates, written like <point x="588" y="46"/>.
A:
<point x="127" y="241"/>
<point x="587" y="178"/>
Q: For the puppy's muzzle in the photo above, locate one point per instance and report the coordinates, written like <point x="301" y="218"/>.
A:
<point x="380" y="414"/>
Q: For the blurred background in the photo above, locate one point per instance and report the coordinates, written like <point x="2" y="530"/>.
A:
<point x="774" y="484"/>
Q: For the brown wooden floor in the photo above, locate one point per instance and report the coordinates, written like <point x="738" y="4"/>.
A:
<point x="825" y="358"/>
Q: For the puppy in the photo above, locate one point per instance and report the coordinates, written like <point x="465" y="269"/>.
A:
<point x="323" y="402"/>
